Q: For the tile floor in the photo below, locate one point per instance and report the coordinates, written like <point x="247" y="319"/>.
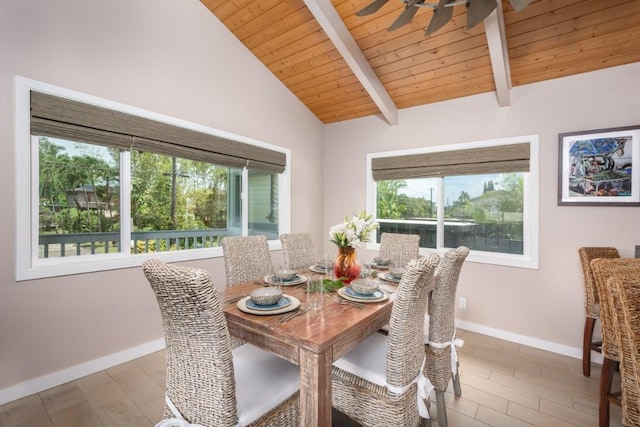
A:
<point x="503" y="385"/>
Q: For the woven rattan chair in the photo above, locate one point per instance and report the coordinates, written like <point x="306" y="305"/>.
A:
<point x="440" y="348"/>
<point x="400" y="248"/>
<point x="625" y="296"/>
<point x="246" y="258"/>
<point x="207" y="383"/>
<point x="591" y="302"/>
<point x="298" y="250"/>
<point x="381" y="382"/>
<point x="603" y="269"/>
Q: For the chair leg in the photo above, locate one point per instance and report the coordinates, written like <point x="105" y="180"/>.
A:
<point x="442" y="409"/>
<point x="589" y="325"/>
<point x="457" y="390"/>
<point x="606" y="381"/>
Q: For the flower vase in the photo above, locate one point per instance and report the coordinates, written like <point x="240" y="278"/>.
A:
<point x="346" y="266"/>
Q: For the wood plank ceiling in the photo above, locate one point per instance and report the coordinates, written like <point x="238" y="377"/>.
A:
<point x="548" y="39"/>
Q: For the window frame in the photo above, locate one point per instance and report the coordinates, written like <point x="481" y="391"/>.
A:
<point x="529" y="258"/>
<point x="28" y="266"/>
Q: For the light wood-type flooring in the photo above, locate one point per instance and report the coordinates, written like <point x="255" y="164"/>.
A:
<point x="503" y="384"/>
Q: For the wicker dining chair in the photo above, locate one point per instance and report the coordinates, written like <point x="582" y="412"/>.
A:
<point x="603" y="269"/>
<point x="246" y="258"/>
<point x="625" y="296"/>
<point x="298" y="250"/>
<point x="441" y="342"/>
<point x="591" y="301"/>
<point x="208" y="384"/>
<point x="381" y="381"/>
<point x="400" y="248"/>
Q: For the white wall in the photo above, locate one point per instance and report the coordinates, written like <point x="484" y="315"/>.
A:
<point x="544" y="307"/>
<point x="175" y="58"/>
<point x="166" y="56"/>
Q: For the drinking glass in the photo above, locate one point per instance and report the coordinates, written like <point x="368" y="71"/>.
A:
<point x="328" y="265"/>
<point x="366" y="270"/>
<point x="315" y="293"/>
<point x="277" y="280"/>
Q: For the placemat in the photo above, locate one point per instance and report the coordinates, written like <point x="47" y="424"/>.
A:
<point x="298" y="280"/>
<point x="344" y="295"/>
<point x="242" y="306"/>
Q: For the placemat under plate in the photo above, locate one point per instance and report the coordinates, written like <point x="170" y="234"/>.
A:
<point x="344" y="295"/>
<point x="298" y="280"/>
<point x="242" y="306"/>
<point x="317" y="269"/>
<point x="348" y="290"/>
<point x="388" y="277"/>
<point x="379" y="266"/>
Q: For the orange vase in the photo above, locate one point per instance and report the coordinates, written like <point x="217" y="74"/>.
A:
<point x="346" y="266"/>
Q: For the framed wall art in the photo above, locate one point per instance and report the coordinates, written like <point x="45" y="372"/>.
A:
<point x="596" y="167"/>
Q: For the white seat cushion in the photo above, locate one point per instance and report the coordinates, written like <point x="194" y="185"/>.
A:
<point x="367" y="360"/>
<point x="263" y="381"/>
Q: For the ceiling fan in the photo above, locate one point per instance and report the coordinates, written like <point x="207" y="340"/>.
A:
<point x="477" y="11"/>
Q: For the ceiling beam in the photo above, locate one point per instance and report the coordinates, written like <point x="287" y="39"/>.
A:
<point x="497" y="41"/>
<point x="332" y="24"/>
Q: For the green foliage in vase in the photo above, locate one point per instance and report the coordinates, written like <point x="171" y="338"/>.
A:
<point x="332" y="285"/>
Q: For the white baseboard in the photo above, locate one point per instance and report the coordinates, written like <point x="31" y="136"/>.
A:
<point x="54" y="379"/>
<point x="525" y="340"/>
<point x="45" y="382"/>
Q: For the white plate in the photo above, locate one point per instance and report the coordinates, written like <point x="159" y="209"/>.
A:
<point x="294" y="304"/>
<point x="298" y="280"/>
<point x="344" y="294"/>
<point x="282" y="303"/>
<point x="388" y="277"/>
<point x="317" y="269"/>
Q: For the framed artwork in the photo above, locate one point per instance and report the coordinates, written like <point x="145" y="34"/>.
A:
<point x="596" y="167"/>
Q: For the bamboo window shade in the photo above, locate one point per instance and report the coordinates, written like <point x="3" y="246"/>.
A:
<point x="472" y="161"/>
<point x="58" y="117"/>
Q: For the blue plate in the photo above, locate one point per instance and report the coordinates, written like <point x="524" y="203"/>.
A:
<point x="350" y="292"/>
<point x="284" y="301"/>
<point x="294" y="278"/>
<point x="272" y="280"/>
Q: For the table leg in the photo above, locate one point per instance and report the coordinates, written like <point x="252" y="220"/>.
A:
<point x="315" y="388"/>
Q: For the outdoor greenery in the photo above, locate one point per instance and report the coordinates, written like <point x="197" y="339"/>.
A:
<point x="499" y="208"/>
<point x="79" y="191"/>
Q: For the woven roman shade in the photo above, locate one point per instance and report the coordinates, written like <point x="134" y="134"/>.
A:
<point x="58" y="117"/>
<point x="472" y="161"/>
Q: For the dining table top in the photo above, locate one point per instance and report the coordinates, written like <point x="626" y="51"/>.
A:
<point x="314" y="330"/>
<point x="313" y="340"/>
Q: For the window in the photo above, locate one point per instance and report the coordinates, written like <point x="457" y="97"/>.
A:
<point x="482" y="195"/>
<point x="111" y="185"/>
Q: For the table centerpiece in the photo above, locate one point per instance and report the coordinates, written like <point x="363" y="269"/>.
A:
<point x="347" y="236"/>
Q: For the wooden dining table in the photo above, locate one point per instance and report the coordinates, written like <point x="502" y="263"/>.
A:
<point x="312" y="340"/>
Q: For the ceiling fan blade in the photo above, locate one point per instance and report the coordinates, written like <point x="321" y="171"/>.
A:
<point x="441" y="15"/>
<point x="478" y="10"/>
<point x="406" y="16"/>
<point x="518" y="5"/>
<point x="371" y="7"/>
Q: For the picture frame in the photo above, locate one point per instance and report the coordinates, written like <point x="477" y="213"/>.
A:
<point x="596" y="167"/>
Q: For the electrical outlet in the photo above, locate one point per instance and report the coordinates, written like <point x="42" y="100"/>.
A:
<point x="463" y="303"/>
